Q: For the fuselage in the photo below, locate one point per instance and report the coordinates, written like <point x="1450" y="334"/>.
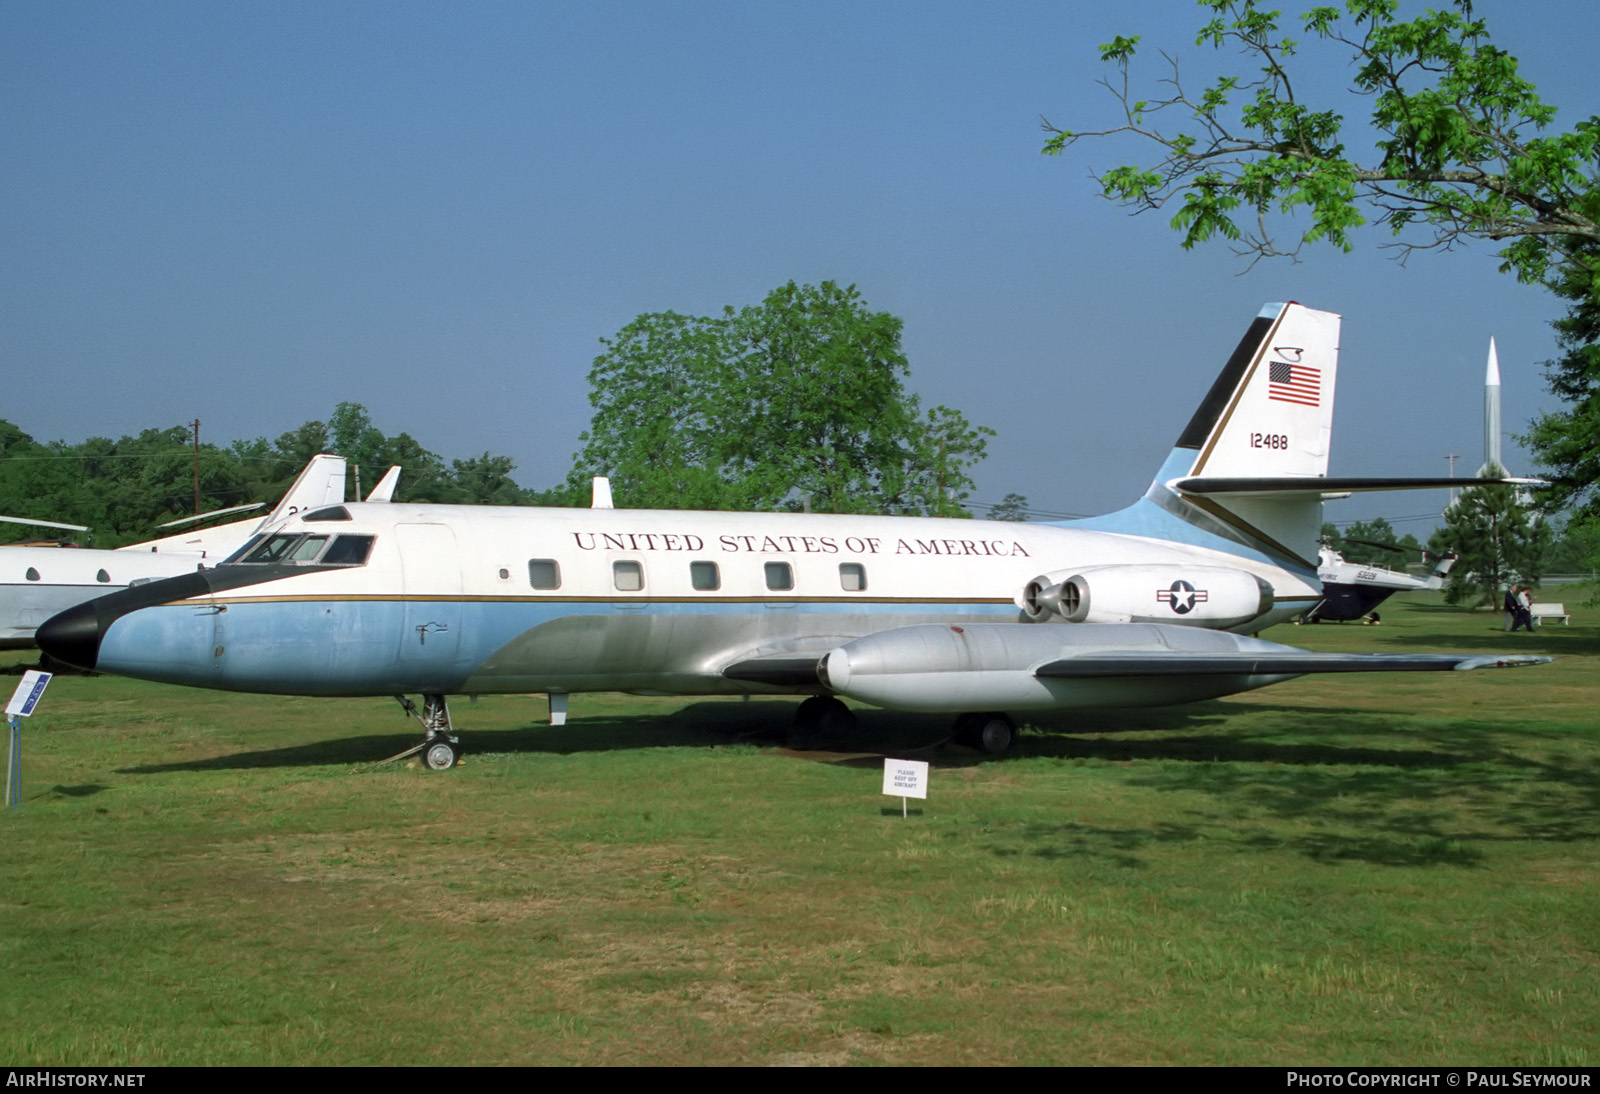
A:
<point x="459" y="599"/>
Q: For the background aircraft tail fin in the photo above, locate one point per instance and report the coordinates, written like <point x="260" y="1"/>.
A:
<point x="321" y="483"/>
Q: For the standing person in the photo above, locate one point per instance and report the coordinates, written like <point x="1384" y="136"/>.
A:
<point x="1510" y="603"/>
<point x="1524" y="610"/>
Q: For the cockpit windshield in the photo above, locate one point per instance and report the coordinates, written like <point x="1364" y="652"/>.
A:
<point x="298" y="548"/>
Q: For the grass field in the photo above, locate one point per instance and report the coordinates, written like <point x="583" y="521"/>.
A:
<point x="1346" y="870"/>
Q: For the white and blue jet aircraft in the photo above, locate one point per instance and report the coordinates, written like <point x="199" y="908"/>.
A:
<point x="1148" y="606"/>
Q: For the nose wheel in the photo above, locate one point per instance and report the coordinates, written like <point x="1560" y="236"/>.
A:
<point x="440" y="753"/>
<point x="440" y="749"/>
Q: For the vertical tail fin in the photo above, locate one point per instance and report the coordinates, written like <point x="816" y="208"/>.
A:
<point x="1270" y="412"/>
<point x="1268" y="416"/>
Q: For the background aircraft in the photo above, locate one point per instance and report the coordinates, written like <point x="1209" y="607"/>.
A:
<point x="1352" y="590"/>
<point x="39" y="582"/>
<point x="908" y="613"/>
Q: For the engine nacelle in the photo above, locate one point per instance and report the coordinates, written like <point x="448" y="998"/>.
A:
<point x="1215" y="597"/>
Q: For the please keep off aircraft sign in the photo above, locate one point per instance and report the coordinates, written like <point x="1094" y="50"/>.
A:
<point x="905" y="778"/>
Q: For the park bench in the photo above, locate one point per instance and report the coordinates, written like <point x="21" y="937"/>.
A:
<point x="1543" y="612"/>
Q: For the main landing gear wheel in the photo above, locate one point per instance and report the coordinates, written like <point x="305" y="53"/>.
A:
<point x="992" y="733"/>
<point x="821" y="719"/>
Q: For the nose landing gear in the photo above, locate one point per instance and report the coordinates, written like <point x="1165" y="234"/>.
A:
<point x="440" y="748"/>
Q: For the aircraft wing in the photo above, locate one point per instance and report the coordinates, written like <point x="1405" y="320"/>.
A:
<point x="1065" y="666"/>
<point x="1297" y="663"/>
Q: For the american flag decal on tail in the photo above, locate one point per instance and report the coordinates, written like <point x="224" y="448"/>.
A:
<point x="1294" y="383"/>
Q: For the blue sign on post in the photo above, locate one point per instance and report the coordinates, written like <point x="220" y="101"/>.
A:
<point x="28" y="693"/>
<point x="23" y="702"/>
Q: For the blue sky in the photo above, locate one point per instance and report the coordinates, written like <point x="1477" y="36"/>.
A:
<point x="250" y="212"/>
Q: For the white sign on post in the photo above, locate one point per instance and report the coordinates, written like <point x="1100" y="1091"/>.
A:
<point x="905" y="779"/>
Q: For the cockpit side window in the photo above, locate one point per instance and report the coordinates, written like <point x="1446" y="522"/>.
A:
<point x="349" y="551"/>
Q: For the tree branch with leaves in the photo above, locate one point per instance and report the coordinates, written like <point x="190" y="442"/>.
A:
<point x="1460" y="148"/>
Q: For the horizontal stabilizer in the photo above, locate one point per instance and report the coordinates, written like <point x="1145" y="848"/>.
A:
<point x="1297" y="663"/>
<point x="228" y="512"/>
<point x="1331" y="485"/>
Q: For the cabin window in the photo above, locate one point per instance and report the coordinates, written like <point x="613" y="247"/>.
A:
<point x="628" y="577"/>
<point x="332" y="512"/>
<point x="102" y="577"/>
<point x="852" y="577"/>
<point x="544" y="573"/>
<point x="780" y="577"/>
<point x="349" y="551"/>
<point x="32" y="574"/>
<point x="505" y="574"/>
<point x="705" y="576"/>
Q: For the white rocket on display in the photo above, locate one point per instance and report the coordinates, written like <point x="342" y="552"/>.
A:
<point x="1491" y="416"/>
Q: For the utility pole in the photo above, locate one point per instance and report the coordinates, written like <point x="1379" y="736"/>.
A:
<point x="197" y="467"/>
<point x="1452" y="458"/>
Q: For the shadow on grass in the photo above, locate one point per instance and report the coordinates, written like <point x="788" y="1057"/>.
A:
<point x="1451" y="789"/>
<point x="696" y="725"/>
<point x="1075" y="841"/>
<point x="1123" y="846"/>
<point x="1546" y="641"/>
<point x="1205" y="732"/>
<point x="1439" y="797"/>
<point x="82" y="790"/>
<point x="1204" y="735"/>
<point x="1381" y="817"/>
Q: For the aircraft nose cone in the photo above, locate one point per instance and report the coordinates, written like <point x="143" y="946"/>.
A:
<point x="73" y="636"/>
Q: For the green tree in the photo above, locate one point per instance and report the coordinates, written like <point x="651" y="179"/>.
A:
<point x="1376" y="541"/>
<point x="486" y="480"/>
<point x="1499" y="542"/>
<point x="1567" y="442"/>
<point x="798" y="400"/>
<point x="1460" y="150"/>
<point x="42" y="482"/>
<point x="1576" y="549"/>
<point x="124" y="489"/>
<point x="1011" y="507"/>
